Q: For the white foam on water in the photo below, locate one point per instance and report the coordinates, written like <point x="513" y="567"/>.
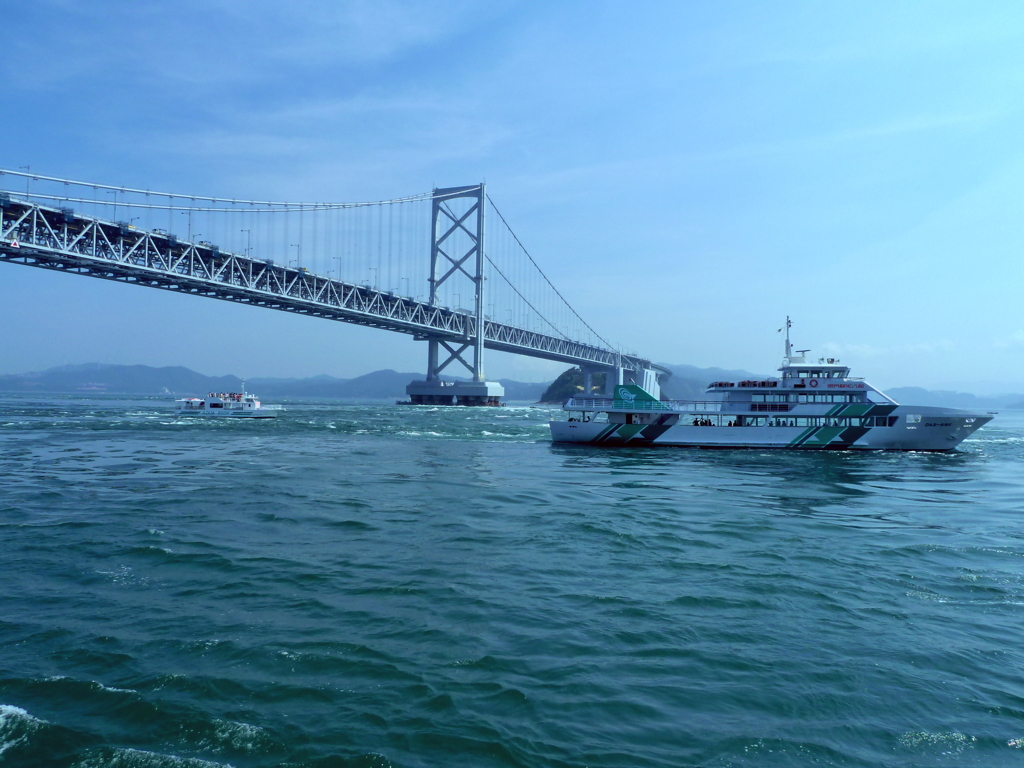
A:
<point x="242" y="737"/>
<point x="16" y="725"/>
<point x="137" y="758"/>
<point x="124" y="576"/>
<point x="949" y="743"/>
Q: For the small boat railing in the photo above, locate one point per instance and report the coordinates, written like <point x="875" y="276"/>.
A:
<point x="673" y="406"/>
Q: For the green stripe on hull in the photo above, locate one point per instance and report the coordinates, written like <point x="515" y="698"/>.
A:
<point x="625" y="432"/>
<point x="822" y="437"/>
<point x="803" y="436"/>
<point x="604" y="433"/>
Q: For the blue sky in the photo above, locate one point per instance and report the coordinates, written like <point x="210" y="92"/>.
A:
<point x="688" y="173"/>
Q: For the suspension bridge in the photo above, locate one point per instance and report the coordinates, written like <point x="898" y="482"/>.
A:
<point x="423" y="265"/>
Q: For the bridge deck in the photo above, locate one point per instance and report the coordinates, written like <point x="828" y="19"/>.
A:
<point x="58" y="239"/>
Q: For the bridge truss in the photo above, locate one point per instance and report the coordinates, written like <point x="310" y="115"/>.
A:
<point x="62" y="240"/>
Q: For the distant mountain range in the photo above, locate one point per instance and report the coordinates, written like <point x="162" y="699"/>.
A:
<point x="687" y="383"/>
<point x="176" y="380"/>
<point x="945" y="399"/>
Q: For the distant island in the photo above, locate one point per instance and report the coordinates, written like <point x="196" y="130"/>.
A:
<point x="686" y="383"/>
<point x="97" y="378"/>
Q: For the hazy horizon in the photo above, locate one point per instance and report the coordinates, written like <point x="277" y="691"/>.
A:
<point x="856" y="167"/>
<point x="980" y="389"/>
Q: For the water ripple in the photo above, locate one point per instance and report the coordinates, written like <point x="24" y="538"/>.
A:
<point x="369" y="585"/>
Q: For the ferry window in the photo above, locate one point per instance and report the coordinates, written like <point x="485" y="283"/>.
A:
<point x="216" y="405"/>
<point x="802" y="374"/>
<point x="913" y="418"/>
<point x="801" y="398"/>
<point x="757" y="398"/>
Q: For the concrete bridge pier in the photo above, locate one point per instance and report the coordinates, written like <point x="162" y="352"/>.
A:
<point x="455" y="393"/>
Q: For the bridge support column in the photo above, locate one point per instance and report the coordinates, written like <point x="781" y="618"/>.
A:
<point x="432" y="360"/>
<point x="457" y="241"/>
<point x="612" y="379"/>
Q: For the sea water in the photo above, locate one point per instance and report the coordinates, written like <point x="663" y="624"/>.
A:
<point x="376" y="585"/>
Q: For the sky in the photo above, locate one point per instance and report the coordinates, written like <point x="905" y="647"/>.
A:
<point x="687" y="173"/>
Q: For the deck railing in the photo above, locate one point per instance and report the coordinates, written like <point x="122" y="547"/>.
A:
<point x="672" y="406"/>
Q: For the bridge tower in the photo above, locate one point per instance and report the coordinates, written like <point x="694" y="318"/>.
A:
<point x="457" y="254"/>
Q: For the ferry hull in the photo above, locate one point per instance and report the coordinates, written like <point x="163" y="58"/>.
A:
<point x="938" y="430"/>
<point x="227" y="415"/>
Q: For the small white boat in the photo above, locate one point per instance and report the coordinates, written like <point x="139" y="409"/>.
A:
<point x="234" y="405"/>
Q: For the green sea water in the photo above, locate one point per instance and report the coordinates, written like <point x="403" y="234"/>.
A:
<point x="375" y="585"/>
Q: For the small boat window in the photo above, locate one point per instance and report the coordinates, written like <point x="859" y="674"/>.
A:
<point x="913" y="418"/>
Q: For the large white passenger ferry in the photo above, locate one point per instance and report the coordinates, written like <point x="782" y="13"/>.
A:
<point x="811" y="406"/>
<point x="235" y="405"/>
